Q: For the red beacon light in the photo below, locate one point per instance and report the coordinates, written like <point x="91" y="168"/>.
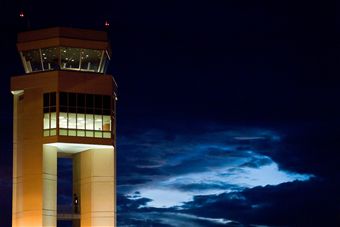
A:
<point x="107" y="24"/>
<point x="21" y="14"/>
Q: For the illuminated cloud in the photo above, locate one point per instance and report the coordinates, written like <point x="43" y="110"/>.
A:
<point x="176" y="190"/>
<point x="172" y="219"/>
<point x="212" y="163"/>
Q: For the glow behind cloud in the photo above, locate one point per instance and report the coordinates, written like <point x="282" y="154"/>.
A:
<point x="168" y="193"/>
<point x="209" y="164"/>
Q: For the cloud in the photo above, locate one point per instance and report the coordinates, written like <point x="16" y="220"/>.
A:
<point x="210" y="179"/>
<point x="289" y="204"/>
<point x="173" y="219"/>
<point x="171" y="171"/>
<point x="307" y="147"/>
<point x="132" y="212"/>
<point x="130" y="203"/>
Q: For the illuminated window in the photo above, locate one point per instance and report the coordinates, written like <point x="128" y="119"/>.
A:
<point x="80" y="121"/>
<point x="89" y="122"/>
<point x="50" y="117"/>
<point x="70" y="58"/>
<point x="62" y="120"/>
<point x="98" y="122"/>
<point x="53" y="120"/>
<point x="46" y="120"/>
<point x="65" y="58"/>
<point x="49" y="57"/>
<point x="91" y="60"/>
<point x="106" y="123"/>
<point x="85" y="115"/>
<point x="72" y="120"/>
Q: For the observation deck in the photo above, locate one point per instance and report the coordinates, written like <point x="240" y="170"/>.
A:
<point x="64" y="49"/>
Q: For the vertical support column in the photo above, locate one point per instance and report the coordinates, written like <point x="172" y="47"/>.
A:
<point x="27" y="166"/>
<point x="49" y="186"/>
<point x="115" y="154"/>
<point x="17" y="173"/>
<point x="97" y="188"/>
<point x="76" y="185"/>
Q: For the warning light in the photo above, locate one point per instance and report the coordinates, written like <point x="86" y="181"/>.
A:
<point x="107" y="24"/>
<point x="21" y="14"/>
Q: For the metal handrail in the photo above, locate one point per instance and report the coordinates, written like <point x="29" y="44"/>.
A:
<point x="67" y="212"/>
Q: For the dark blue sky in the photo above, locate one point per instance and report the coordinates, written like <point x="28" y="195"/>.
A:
<point x="228" y="111"/>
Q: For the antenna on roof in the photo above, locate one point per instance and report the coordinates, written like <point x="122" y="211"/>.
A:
<point x="107" y="24"/>
<point x="25" y="20"/>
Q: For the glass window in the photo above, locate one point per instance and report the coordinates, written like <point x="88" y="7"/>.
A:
<point x="70" y="58"/>
<point x="72" y="132"/>
<point x="80" y="133"/>
<point x="98" y="134"/>
<point x="66" y="58"/>
<point x="46" y="110"/>
<point x="104" y="63"/>
<point x="49" y="119"/>
<point x="106" y="123"/>
<point x="91" y="60"/>
<point x="98" y="101"/>
<point x="72" y="100"/>
<point x="46" y="120"/>
<point x="46" y="99"/>
<point x="32" y="60"/>
<point x="63" y="132"/>
<point x="89" y="122"/>
<point x="106" y="134"/>
<point x="53" y="132"/>
<point x="46" y="132"/>
<point x="50" y="58"/>
<point x="89" y="133"/>
<point x="106" y="102"/>
<point x="76" y="116"/>
<point x="106" y="112"/>
<point x="80" y="103"/>
<point x="53" y="120"/>
<point x="72" y="120"/>
<point x="98" y="104"/>
<point x="53" y="99"/>
<point x="62" y="120"/>
<point x="98" y="122"/>
<point x="89" y="103"/>
<point x="80" y="121"/>
<point x="63" y="99"/>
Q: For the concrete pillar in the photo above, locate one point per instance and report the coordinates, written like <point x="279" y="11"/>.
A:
<point x="96" y="187"/>
<point x="17" y="173"/>
<point x="49" y="186"/>
<point x="76" y="184"/>
<point x="27" y="177"/>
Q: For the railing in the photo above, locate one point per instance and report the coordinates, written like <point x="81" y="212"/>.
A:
<point x="67" y="212"/>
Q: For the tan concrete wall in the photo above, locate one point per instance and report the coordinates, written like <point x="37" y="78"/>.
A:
<point x="68" y="81"/>
<point x="49" y="186"/>
<point x="17" y="174"/>
<point x="27" y="182"/>
<point x="96" y="187"/>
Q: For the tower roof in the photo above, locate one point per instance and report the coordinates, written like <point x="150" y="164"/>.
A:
<point x="54" y="32"/>
<point x="61" y="36"/>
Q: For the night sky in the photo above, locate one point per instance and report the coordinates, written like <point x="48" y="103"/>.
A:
<point x="228" y="111"/>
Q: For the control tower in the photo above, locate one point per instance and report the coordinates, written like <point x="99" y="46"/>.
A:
<point x="64" y="106"/>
